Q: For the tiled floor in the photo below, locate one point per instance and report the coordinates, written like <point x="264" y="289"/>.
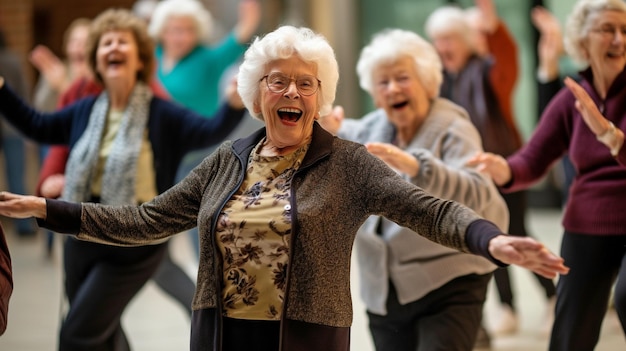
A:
<point x="153" y="323"/>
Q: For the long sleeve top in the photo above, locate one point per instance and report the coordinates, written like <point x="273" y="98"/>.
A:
<point x="444" y="142"/>
<point x="596" y="201"/>
<point x="504" y="72"/>
<point x="57" y="155"/>
<point x="337" y="187"/>
<point x="173" y="131"/>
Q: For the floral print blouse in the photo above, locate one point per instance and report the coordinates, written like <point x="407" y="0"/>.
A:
<point x="253" y="234"/>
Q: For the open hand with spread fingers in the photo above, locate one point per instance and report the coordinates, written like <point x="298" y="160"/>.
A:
<point x="527" y="253"/>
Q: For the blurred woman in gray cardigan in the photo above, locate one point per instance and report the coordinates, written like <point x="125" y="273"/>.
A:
<point x="419" y="295"/>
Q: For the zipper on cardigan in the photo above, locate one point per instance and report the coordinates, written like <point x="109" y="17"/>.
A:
<point x="219" y="268"/>
<point x="294" y="209"/>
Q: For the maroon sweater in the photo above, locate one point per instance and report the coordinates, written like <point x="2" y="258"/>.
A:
<point x="596" y="204"/>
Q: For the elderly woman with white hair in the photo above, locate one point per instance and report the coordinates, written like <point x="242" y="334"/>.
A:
<point x="190" y="69"/>
<point x="428" y="297"/>
<point x="278" y="212"/>
<point x="587" y="122"/>
<point x="187" y="67"/>
<point x="480" y="62"/>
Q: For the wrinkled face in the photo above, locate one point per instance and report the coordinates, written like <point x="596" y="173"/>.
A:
<point x="289" y="115"/>
<point x="453" y="50"/>
<point x="77" y="43"/>
<point x="605" y="44"/>
<point x="117" y="56"/>
<point x="398" y="90"/>
<point x="179" y="36"/>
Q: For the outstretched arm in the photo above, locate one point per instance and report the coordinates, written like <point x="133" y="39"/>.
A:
<point x="527" y="253"/>
<point x="51" y="67"/>
<point x="249" y="19"/>
<point x="22" y="206"/>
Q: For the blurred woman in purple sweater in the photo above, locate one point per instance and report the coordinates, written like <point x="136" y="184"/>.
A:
<point x="586" y="122"/>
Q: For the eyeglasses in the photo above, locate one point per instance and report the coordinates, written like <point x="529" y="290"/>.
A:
<point x="402" y="81"/>
<point x="278" y="83"/>
<point x="609" y="31"/>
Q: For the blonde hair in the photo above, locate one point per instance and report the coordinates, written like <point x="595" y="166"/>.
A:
<point x="283" y="43"/>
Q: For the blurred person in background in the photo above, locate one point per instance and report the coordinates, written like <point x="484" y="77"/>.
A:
<point x="125" y="147"/>
<point x="13" y="144"/>
<point x="586" y="121"/>
<point x="189" y="68"/>
<point x="480" y="63"/>
<point x="419" y="295"/>
<point x="56" y="77"/>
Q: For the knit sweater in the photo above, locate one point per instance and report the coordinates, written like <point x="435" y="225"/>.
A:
<point x="596" y="200"/>
<point x="444" y="142"/>
<point x="173" y="131"/>
<point x="338" y="186"/>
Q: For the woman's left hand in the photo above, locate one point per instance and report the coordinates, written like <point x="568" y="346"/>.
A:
<point x="527" y="253"/>
<point x="395" y="158"/>
<point x="587" y="108"/>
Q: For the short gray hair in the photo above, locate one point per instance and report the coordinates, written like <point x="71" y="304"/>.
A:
<point x="449" y="19"/>
<point x="283" y="43"/>
<point x="180" y="8"/>
<point x="392" y="44"/>
<point x="577" y="26"/>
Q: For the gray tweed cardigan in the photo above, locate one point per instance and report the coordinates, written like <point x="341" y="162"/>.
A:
<point x="338" y="186"/>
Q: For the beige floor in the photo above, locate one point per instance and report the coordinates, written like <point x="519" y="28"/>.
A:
<point x="154" y="323"/>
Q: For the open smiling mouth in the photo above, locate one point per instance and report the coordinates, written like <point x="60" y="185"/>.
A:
<point x="289" y="114"/>
<point x="400" y="104"/>
<point x="116" y="62"/>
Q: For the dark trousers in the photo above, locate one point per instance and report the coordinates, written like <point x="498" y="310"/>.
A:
<point x="516" y="203"/>
<point x="246" y="335"/>
<point x="583" y="294"/>
<point x="100" y="280"/>
<point x="446" y="319"/>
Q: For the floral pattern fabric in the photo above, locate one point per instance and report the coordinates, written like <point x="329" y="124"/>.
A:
<point x="253" y="234"/>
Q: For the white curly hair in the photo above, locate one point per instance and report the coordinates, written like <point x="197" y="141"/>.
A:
<point x="283" y="43"/>
<point x="392" y="44"/>
<point x="181" y="8"/>
<point x="578" y="25"/>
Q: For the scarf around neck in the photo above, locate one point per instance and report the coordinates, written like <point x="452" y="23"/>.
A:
<point x="120" y="168"/>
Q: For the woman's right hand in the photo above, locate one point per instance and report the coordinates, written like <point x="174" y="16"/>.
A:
<point x="493" y="165"/>
<point x="22" y="206"/>
<point x="332" y="121"/>
<point x="51" y="67"/>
